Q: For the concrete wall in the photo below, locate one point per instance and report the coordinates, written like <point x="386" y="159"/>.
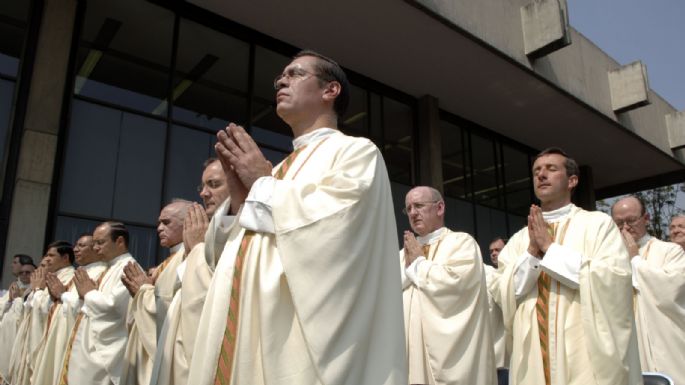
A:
<point x="28" y="219"/>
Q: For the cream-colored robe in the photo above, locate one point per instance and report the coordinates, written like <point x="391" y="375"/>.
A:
<point x="98" y="349"/>
<point x="144" y="320"/>
<point x="37" y="323"/>
<point x="177" y="337"/>
<point x="502" y="348"/>
<point x="9" y="330"/>
<point x="49" y="360"/>
<point x="659" y="272"/>
<point x="592" y="330"/>
<point x="320" y="298"/>
<point x="446" y="313"/>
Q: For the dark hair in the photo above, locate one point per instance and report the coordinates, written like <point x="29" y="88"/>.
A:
<point x="24" y="259"/>
<point x="63" y="247"/>
<point x="116" y="230"/>
<point x="570" y="163"/>
<point x="498" y="238"/>
<point x="209" y="161"/>
<point x="327" y="70"/>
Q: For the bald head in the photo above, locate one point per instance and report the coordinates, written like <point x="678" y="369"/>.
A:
<point x="425" y="208"/>
<point x="170" y="223"/>
<point x="629" y="214"/>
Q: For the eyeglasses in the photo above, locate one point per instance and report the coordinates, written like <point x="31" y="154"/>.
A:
<point x="630" y="222"/>
<point x="291" y="73"/>
<point x="211" y="184"/>
<point x="418" y="206"/>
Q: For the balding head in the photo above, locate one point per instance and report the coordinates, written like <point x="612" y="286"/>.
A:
<point x="170" y="222"/>
<point x="629" y="213"/>
<point x="425" y="208"/>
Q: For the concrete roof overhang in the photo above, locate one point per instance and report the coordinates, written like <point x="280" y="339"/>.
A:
<point x="405" y="48"/>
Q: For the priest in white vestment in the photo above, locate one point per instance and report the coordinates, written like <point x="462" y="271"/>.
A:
<point x="13" y="311"/>
<point x="676" y="230"/>
<point x="502" y="347"/>
<point x="449" y="340"/>
<point x="306" y="290"/>
<point x="659" y="290"/>
<point x="151" y="296"/>
<point x="5" y="301"/>
<point x="63" y="313"/>
<point x="58" y="259"/>
<point x="99" y="341"/>
<point x="177" y="335"/>
<point x="565" y="289"/>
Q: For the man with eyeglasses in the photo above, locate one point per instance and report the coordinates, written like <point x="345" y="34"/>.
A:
<point x="659" y="291"/>
<point x="449" y="340"/>
<point x="565" y="289"/>
<point x="306" y="290"/>
<point x="13" y="309"/>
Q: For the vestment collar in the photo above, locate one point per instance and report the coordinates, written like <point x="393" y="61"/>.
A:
<point x="309" y="137"/>
<point x="432" y="237"/>
<point x="559" y="214"/>
<point x="643" y="241"/>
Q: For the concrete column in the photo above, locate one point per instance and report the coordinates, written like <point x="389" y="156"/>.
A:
<point x="28" y="217"/>
<point x="584" y="196"/>
<point x="430" y="144"/>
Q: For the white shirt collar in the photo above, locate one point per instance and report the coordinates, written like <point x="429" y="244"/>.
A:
<point x="431" y="238"/>
<point x="175" y="248"/>
<point x="557" y="215"/>
<point x="94" y="265"/>
<point x="22" y="285"/>
<point x="309" y="137"/>
<point x="643" y="241"/>
<point x="63" y="271"/>
<point x="116" y="259"/>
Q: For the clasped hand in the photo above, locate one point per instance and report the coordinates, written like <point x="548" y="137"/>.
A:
<point x="538" y="232"/>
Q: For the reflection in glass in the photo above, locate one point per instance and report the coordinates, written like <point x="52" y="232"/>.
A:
<point x="398" y="146"/>
<point x="485" y="187"/>
<point x="117" y="63"/>
<point x="211" y="79"/>
<point x="455" y="161"/>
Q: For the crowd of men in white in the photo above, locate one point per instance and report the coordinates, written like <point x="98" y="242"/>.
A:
<point x="291" y="275"/>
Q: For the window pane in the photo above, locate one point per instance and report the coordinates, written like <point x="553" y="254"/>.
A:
<point x="268" y="64"/>
<point x="13" y="16"/>
<point x="188" y="149"/>
<point x="517" y="180"/>
<point x="491" y="223"/>
<point x="398" y="123"/>
<point x="90" y="160"/>
<point x="484" y="171"/>
<point x="140" y="168"/>
<point x="355" y="121"/>
<point x="118" y="63"/>
<point x="459" y="215"/>
<point x="454" y="161"/>
<point x="399" y="192"/>
<point x="210" y="84"/>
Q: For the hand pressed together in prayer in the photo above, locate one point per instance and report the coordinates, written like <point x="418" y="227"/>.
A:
<point x="14" y="291"/>
<point x="84" y="284"/>
<point x="631" y="245"/>
<point x="538" y="232"/>
<point x="38" y="279"/>
<point x="242" y="161"/>
<point x="134" y="277"/>
<point x="194" y="227"/>
<point x="412" y="248"/>
<point x="55" y="286"/>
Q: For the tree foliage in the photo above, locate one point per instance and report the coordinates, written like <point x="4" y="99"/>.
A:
<point x="660" y="204"/>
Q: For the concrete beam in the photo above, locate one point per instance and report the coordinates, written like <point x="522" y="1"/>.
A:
<point x="545" y="27"/>
<point x="675" y="125"/>
<point x="629" y="87"/>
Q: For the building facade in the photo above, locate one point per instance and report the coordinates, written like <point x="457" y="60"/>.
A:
<point x="108" y="109"/>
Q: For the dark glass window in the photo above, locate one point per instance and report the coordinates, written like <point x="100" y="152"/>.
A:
<point x="211" y="79"/>
<point x="485" y="182"/>
<point x="124" y="55"/>
<point x="455" y="161"/>
<point x="517" y="182"/>
<point x="398" y="144"/>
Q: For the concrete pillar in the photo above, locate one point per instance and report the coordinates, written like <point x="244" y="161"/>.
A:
<point x="33" y="183"/>
<point x="584" y="195"/>
<point x="629" y="87"/>
<point x="430" y="144"/>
